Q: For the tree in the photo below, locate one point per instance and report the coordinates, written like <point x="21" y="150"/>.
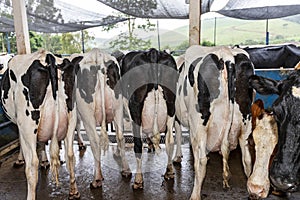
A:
<point x="49" y="12"/>
<point x="52" y="42"/>
<point x="36" y="41"/>
<point x="129" y="40"/>
<point x="69" y="44"/>
<point x="72" y="42"/>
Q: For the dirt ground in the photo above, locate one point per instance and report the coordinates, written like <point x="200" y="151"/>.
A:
<point x="13" y="181"/>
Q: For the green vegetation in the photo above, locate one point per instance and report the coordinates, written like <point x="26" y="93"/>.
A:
<point x="248" y="32"/>
<point x="129" y="40"/>
<point x="231" y="31"/>
<point x="65" y="43"/>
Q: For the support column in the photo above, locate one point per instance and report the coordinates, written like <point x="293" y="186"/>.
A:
<point x="195" y="22"/>
<point x="21" y="26"/>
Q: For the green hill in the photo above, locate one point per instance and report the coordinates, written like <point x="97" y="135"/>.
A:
<point x="230" y="31"/>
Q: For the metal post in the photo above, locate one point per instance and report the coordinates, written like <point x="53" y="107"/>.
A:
<point x="267" y="32"/>
<point x="3" y="47"/>
<point x="215" y="31"/>
<point x="82" y="41"/>
<point x="8" y="43"/>
<point x="158" y="37"/>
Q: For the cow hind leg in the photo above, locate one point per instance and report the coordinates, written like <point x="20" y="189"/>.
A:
<point x="169" y="148"/>
<point x="225" y="154"/>
<point x="178" y="155"/>
<point x="20" y="160"/>
<point x="246" y="155"/>
<point x="126" y="172"/>
<point x="28" y="144"/>
<point x="200" y="161"/>
<point x="94" y="139"/>
<point x="81" y="145"/>
<point x="119" y="124"/>
<point x="44" y="162"/>
<point x="138" y="148"/>
<point x="70" y="160"/>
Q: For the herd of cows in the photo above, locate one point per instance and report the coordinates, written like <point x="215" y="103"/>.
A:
<point x="209" y="90"/>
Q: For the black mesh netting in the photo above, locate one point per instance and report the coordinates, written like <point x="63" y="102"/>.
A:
<point x="54" y="16"/>
<point x="260" y="9"/>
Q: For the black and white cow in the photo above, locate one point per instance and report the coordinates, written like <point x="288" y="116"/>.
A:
<point x="285" y="168"/>
<point x="214" y="101"/>
<point x="4" y="59"/>
<point x="37" y="95"/>
<point x="98" y="105"/>
<point x="270" y="57"/>
<point x="148" y="83"/>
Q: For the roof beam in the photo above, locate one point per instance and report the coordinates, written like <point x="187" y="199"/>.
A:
<point x="21" y="26"/>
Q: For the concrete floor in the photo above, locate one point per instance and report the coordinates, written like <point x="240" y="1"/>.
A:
<point x="13" y="181"/>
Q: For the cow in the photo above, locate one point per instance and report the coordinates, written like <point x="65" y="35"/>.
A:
<point x="4" y="59"/>
<point x="177" y="126"/>
<point x="214" y="100"/>
<point x="285" y="168"/>
<point x="266" y="57"/>
<point x="98" y="104"/>
<point x="148" y="83"/>
<point x="265" y="136"/>
<point x="37" y="95"/>
<point x="118" y="55"/>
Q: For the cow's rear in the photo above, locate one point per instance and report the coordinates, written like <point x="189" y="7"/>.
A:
<point x="37" y="95"/>
<point x="213" y="101"/>
<point x="148" y="83"/>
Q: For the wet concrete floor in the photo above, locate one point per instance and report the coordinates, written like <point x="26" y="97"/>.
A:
<point x="115" y="187"/>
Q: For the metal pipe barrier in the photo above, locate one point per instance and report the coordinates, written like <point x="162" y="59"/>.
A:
<point x="2" y="125"/>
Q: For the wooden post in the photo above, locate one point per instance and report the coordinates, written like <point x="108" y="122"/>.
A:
<point x="195" y="22"/>
<point x="21" y="26"/>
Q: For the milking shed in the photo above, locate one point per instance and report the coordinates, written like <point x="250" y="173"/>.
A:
<point x="18" y="16"/>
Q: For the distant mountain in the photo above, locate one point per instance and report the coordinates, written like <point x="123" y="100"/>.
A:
<point x="294" y="18"/>
<point x="229" y="31"/>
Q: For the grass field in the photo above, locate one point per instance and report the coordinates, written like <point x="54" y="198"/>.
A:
<point x="231" y="31"/>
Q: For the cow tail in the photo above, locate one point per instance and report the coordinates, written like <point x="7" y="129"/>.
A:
<point x="156" y="133"/>
<point x="54" y="146"/>
<point x="103" y="136"/>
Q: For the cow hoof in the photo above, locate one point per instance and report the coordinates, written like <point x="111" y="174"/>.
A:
<point x="45" y="165"/>
<point x="81" y="147"/>
<point x="126" y="173"/>
<point x="117" y="155"/>
<point x="151" y="149"/>
<point x="253" y="197"/>
<point x="177" y="160"/>
<point x="226" y="187"/>
<point x="74" y="196"/>
<point x="96" y="184"/>
<point x="19" y="164"/>
<point x="137" y="186"/>
<point x="169" y="176"/>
